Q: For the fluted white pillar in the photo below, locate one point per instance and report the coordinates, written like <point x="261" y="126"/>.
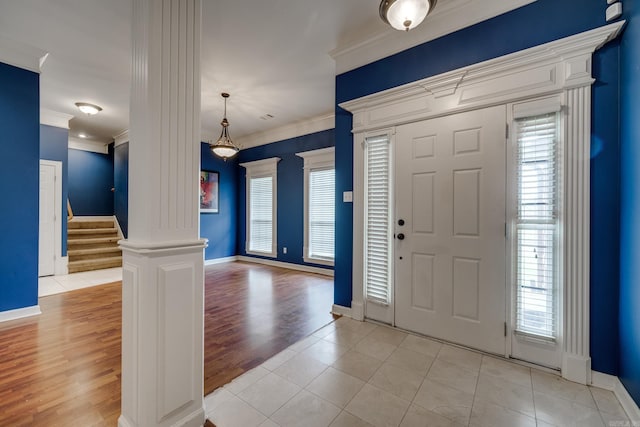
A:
<point x="576" y="362"/>
<point x="162" y="287"/>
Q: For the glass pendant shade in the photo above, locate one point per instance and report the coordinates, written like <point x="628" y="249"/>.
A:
<point x="224" y="146"/>
<point x="405" y="14"/>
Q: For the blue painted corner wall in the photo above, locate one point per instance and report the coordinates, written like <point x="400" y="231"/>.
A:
<point x="19" y="185"/>
<point x="54" y="145"/>
<point x="90" y="183"/>
<point x="121" y="186"/>
<point x="630" y="203"/>
<point x="290" y="191"/>
<point x="537" y="23"/>
<point x="220" y="228"/>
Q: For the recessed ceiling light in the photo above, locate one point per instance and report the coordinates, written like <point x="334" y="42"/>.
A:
<point x="82" y="135"/>
<point x="90" y="109"/>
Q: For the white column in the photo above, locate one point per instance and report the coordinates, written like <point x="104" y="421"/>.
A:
<point x="162" y="287"/>
<point x="576" y="361"/>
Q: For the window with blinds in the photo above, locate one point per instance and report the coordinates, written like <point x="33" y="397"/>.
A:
<point x="261" y="214"/>
<point x="537" y="225"/>
<point x="377" y="250"/>
<point x="322" y="184"/>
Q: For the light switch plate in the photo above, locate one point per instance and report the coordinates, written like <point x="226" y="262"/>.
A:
<point x="614" y="11"/>
<point x="347" y="196"/>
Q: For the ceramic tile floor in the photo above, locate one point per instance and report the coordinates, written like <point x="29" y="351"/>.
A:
<point x="51" y="285"/>
<point x="355" y="374"/>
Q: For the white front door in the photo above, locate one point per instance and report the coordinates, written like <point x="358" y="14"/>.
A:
<point x="46" y="239"/>
<point x="450" y="228"/>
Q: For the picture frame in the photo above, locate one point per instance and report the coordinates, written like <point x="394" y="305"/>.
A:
<point x="209" y="191"/>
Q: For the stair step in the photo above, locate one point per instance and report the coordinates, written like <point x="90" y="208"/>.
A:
<point x="80" y="232"/>
<point x="95" y="264"/>
<point x="93" y="253"/>
<point x="101" y="242"/>
<point x="74" y="225"/>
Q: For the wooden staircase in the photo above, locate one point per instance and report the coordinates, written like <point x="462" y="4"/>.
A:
<point x="92" y="245"/>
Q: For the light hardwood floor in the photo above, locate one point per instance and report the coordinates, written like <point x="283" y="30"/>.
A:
<point x="62" y="368"/>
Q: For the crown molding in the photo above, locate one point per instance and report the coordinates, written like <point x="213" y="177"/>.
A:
<point x="22" y="55"/>
<point x="54" y="118"/>
<point x="446" y="18"/>
<point x="313" y="125"/>
<point x="121" y="138"/>
<point x="88" y="145"/>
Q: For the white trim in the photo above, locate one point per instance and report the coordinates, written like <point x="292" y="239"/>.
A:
<point x="313" y="125"/>
<point x="59" y="264"/>
<point x="54" y="118"/>
<point x="341" y="310"/>
<point x="314" y="159"/>
<point x="22" y="55"/>
<point x="545" y="69"/>
<point x="19" y="313"/>
<point x="223" y="260"/>
<point x="121" y="138"/>
<point x="290" y="266"/>
<point x="261" y="169"/>
<point x="88" y="145"/>
<point x="363" y="48"/>
<point x="559" y="67"/>
<point x="357" y="310"/>
<point x="117" y="224"/>
<point x="613" y="383"/>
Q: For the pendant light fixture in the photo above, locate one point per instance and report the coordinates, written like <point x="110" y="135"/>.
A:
<point x="405" y="15"/>
<point x="224" y="147"/>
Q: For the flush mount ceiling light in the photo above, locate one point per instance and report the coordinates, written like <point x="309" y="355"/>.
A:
<point x="224" y="147"/>
<point x="405" y="14"/>
<point x="89" y="109"/>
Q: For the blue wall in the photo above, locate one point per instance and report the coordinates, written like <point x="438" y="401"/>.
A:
<point x="121" y="185"/>
<point x="537" y="23"/>
<point x="290" y="191"/>
<point x="630" y="207"/>
<point x="90" y="183"/>
<point x="54" y="145"/>
<point x="220" y="228"/>
<point x="19" y="186"/>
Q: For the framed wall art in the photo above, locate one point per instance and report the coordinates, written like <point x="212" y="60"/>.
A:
<point x="209" y="188"/>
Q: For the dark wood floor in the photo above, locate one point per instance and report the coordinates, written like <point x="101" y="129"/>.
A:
<point x="62" y="368"/>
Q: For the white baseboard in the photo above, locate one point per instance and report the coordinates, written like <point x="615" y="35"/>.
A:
<point x="214" y="261"/>
<point x="19" y="313"/>
<point x="613" y="383"/>
<point x="291" y="266"/>
<point x="61" y="266"/>
<point x="341" y="310"/>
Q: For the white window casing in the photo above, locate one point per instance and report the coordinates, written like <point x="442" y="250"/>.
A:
<point x="319" y="205"/>
<point x="262" y="207"/>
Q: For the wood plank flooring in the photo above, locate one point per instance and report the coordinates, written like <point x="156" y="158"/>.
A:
<point x="62" y="368"/>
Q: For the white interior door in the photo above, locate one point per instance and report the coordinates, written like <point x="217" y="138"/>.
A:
<point x="46" y="239"/>
<point x="450" y="215"/>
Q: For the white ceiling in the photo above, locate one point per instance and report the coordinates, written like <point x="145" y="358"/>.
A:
<point x="272" y="56"/>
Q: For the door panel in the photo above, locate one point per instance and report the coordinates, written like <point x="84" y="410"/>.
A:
<point x="450" y="191"/>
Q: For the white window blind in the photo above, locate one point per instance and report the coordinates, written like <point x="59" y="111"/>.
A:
<point x="261" y="214"/>
<point x="537" y="225"/>
<point x="377" y="220"/>
<point x="322" y="185"/>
